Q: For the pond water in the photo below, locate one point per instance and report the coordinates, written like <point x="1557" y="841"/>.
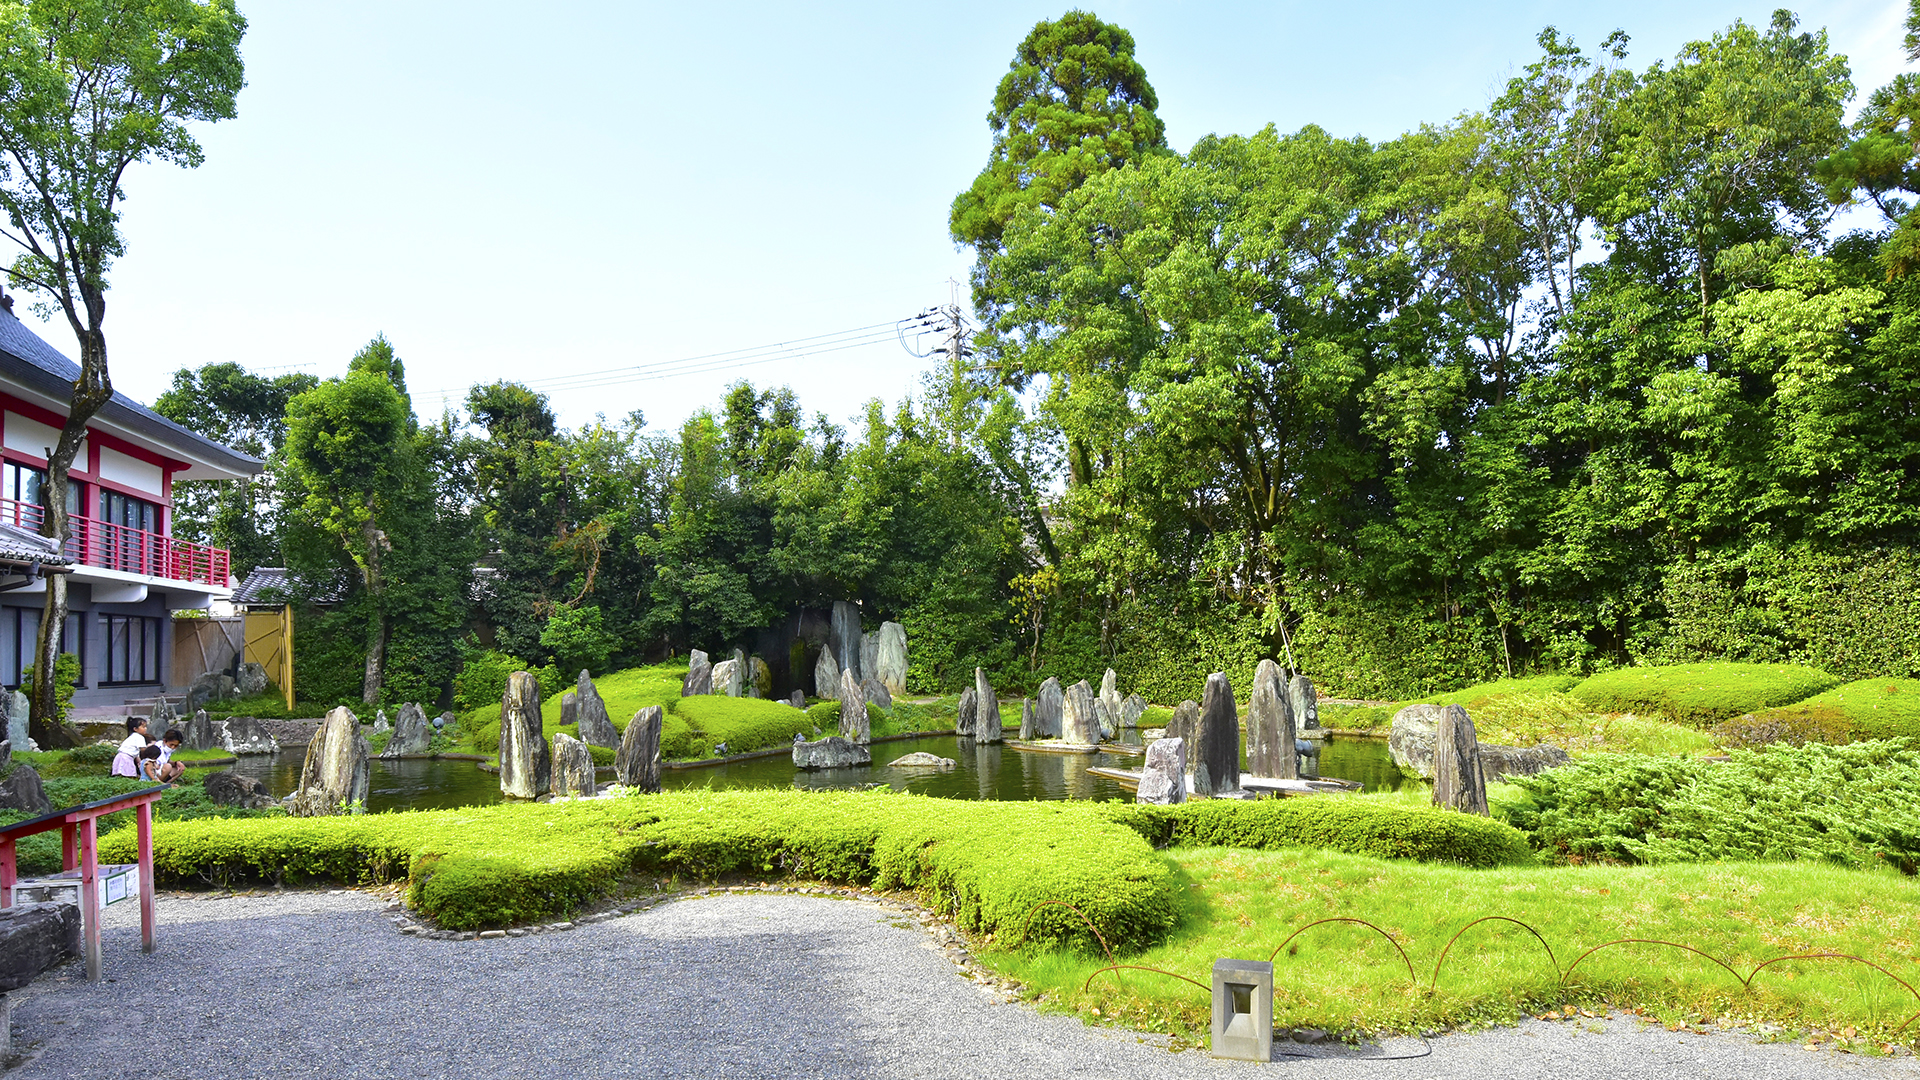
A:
<point x="980" y="772"/>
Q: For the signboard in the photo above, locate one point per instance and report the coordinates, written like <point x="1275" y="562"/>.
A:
<point x="116" y="883"/>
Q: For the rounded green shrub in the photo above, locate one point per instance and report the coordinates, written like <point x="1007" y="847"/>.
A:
<point x="1332" y="822"/>
<point x="1701" y="694"/>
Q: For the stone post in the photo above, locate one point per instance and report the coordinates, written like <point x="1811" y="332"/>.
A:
<point x="1216" y="758"/>
<point x="1457" y="779"/>
<point x="1270" y="726"/>
<point x="526" y="768"/>
<point x="986" y="716"/>
<point x="572" y="766"/>
<point x="853" y="711"/>
<point x="637" y="765"/>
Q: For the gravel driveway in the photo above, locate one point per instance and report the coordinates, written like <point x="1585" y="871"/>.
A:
<point x="316" y="984"/>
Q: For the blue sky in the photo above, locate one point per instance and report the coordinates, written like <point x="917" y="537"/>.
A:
<point x="532" y="191"/>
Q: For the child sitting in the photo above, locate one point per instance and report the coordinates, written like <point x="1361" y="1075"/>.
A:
<point x="126" y="759"/>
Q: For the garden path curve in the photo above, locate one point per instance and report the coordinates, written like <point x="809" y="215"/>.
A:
<point x="316" y="984"/>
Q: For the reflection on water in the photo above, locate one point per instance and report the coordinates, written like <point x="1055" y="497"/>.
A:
<point x="994" y="772"/>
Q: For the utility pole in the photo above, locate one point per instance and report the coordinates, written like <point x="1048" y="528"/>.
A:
<point x="951" y="330"/>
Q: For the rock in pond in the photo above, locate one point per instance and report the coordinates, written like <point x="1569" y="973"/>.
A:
<point x="922" y="760"/>
<point x="1164" y="780"/>
<point x="637" y="765"/>
<point x="853" y="712"/>
<point x="596" y="727"/>
<point x="335" y="774"/>
<point x="1185" y="723"/>
<point x="1131" y="710"/>
<point x="1216" y="753"/>
<point x="1049" y="711"/>
<point x="986" y="710"/>
<point x="526" y="767"/>
<point x="243" y="735"/>
<point x="1305" y="701"/>
<point x="966" y="713"/>
<point x="832" y="752"/>
<point x="1270" y="726"/>
<point x="1079" y="722"/>
<point x="1026" y="719"/>
<point x="410" y="733"/>
<point x="572" y="767"/>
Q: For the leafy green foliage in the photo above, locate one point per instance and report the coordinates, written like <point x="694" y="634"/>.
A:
<point x="578" y="640"/>
<point x="70" y="786"/>
<point x="66" y="676"/>
<point x="1700" y="694"/>
<point x="1852" y="805"/>
<point x="1354" y="825"/>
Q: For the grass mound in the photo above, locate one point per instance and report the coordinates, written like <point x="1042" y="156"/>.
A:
<point x="1701" y="694"/>
<point x="989" y="863"/>
<point x="1355" y="825"/>
<point x="1866" y="709"/>
<point x="1856" y="806"/>
<point x="705" y="721"/>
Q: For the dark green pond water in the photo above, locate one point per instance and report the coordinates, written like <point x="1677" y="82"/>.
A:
<point x="980" y="772"/>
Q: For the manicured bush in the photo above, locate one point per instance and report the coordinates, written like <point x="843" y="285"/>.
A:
<point x="1856" y="805"/>
<point x="988" y="863"/>
<point x="743" y="724"/>
<point x="1336" y="823"/>
<point x="185" y="801"/>
<point x="1701" y="694"/>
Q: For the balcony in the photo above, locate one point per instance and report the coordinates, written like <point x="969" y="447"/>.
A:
<point x="106" y="546"/>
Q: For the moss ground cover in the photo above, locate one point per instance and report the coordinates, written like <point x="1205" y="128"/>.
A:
<point x="701" y="723"/>
<point x="1240" y="903"/>
<point x="1866" y="709"/>
<point x="1700" y="694"/>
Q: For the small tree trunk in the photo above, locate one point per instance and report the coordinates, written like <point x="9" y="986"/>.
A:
<point x="376" y="661"/>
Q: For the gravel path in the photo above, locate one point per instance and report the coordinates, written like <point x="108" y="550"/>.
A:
<point x="314" y="984"/>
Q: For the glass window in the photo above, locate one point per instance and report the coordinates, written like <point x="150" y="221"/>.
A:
<point x="132" y="648"/>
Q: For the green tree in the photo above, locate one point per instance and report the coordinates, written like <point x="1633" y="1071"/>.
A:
<point x="1884" y="158"/>
<point x="88" y="88"/>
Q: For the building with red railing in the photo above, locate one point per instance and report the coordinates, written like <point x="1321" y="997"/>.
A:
<point x="126" y="571"/>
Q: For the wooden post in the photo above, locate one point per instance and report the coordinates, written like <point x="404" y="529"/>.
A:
<point x="286" y="652"/>
<point x="143" y="815"/>
<point x="90" y="895"/>
<point x="8" y="873"/>
<point x="69" y="857"/>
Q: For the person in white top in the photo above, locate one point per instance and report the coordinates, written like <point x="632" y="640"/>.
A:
<point x="126" y="759"/>
<point x="169" y="769"/>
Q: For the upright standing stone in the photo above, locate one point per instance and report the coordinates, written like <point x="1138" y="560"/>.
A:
<point x="1109" y="723"/>
<point x="869" y="654"/>
<point x="596" y="727"/>
<point x="526" y="767"/>
<point x="250" y="679"/>
<point x="846" y="638"/>
<point x="890" y="658"/>
<point x="1216" y="753"/>
<point x="986" y="716"/>
<point x="1110" y="694"/>
<point x="16" y="726"/>
<point x="798" y="699"/>
<point x="380" y="725"/>
<point x="160" y="718"/>
<point x="1457" y="779"/>
<point x="826" y="674"/>
<point x="1079" y="723"/>
<point x="569" y="708"/>
<point x="1164" y="780"/>
<point x="968" y="711"/>
<point x="1026" y="719"/>
<point x="198" y="732"/>
<point x="1305" y="701"/>
<point x="699" y="678"/>
<point x="1131" y="710"/>
<point x="637" y="765"/>
<point x="1049" y="710"/>
<point x="335" y="773"/>
<point x="727" y="678"/>
<point x="572" y="766"/>
<point x="1270" y="731"/>
<point x="410" y="733"/>
<point x="1185" y="723"/>
<point x="853" y="712"/>
<point x="759" y="679"/>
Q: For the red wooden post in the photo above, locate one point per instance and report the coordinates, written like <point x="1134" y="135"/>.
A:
<point x="7" y="873"/>
<point x="144" y="816"/>
<point x="68" y="857"/>
<point x="90" y="895"/>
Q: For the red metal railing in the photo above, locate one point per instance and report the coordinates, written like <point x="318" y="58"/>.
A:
<point x="135" y="551"/>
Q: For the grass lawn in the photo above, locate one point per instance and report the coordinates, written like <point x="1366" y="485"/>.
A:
<point x="1245" y="904"/>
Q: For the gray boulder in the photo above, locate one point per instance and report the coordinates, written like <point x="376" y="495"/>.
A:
<point x="335" y="773"/>
<point x="197" y="733"/>
<point x="637" y="764"/>
<point x="1108" y="722"/>
<point x="411" y="733"/>
<point x="968" y="711"/>
<point x="20" y="788"/>
<point x="846" y="639"/>
<point x="1457" y="779"/>
<point x="161" y="716"/>
<point x="798" y="700"/>
<point x="1305" y="701"/>
<point x="1412" y="739"/>
<point x="1110" y="695"/>
<point x="1131" y="710"/>
<point x="699" y="678"/>
<point x="1216" y="751"/>
<point x="869" y="654"/>
<point x="15" y="729"/>
<point x="596" y="727"/>
<point x="206" y="689"/>
<point x="923" y="760"/>
<point x="1185" y="723"/>
<point x="526" y="765"/>
<point x="832" y="752"/>
<point x="890" y="658"/>
<point x="380" y="725"/>
<point x="569" y="708"/>
<point x="572" y="767"/>
<point x="1079" y="723"/>
<point x="229" y="788"/>
<point x="1270" y="727"/>
<point x="986" y="716"/>
<point x="876" y="693"/>
<point x="853" y="712"/>
<point x="243" y="735"/>
<point x="35" y="937"/>
<point x="1049" y="710"/>
<point x="1164" y="780"/>
<point x="826" y="674"/>
<point x="759" y="679"/>
<point x="1026" y="719"/>
<point x="728" y="679"/>
<point x="250" y="679"/>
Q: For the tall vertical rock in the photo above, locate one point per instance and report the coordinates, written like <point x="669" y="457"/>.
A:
<point x="1185" y="723"/>
<point x="986" y="717"/>
<point x="16" y="726"/>
<point x="637" y="764"/>
<point x="1079" y="721"/>
<point x="890" y="658"/>
<point x="1458" y="781"/>
<point x="572" y="766"/>
<point x="569" y="707"/>
<point x="411" y="734"/>
<point x="1270" y="730"/>
<point x="699" y="678"/>
<point x="1049" y="711"/>
<point x="869" y="654"/>
<point x="853" y="712"/>
<point x="1305" y="701"/>
<point x="335" y="773"/>
<point x="1110" y="694"/>
<point x="1131" y="710"/>
<point x="1216" y="753"/>
<point x="759" y="679"/>
<point x="967" y="713"/>
<point x="526" y="766"/>
<point x="198" y="732"/>
<point x="1026" y="719"/>
<point x="826" y="674"/>
<point x="596" y="727"/>
<point x="1164" y="780"/>
<point x="846" y="639"/>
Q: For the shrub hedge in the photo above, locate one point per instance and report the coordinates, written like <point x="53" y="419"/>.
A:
<point x="1701" y="694"/>
<point x="1856" y="805"/>
<point x="989" y="863"/>
<point x="186" y="801"/>
<point x="1339" y="824"/>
